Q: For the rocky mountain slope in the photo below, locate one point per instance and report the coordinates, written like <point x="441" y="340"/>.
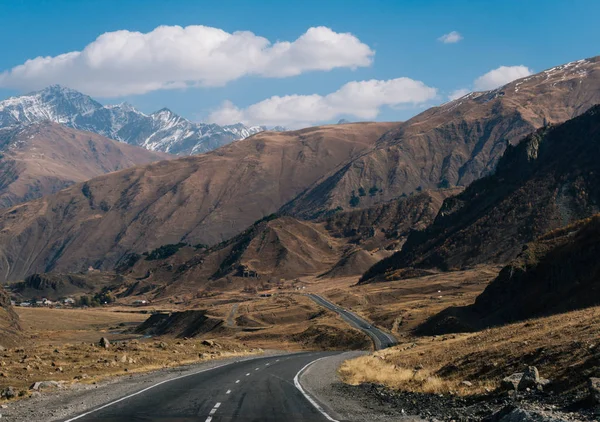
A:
<point x="458" y="142"/>
<point x="199" y="199"/>
<point x="547" y="181"/>
<point x="43" y="158"/>
<point x="10" y="327"/>
<point x="277" y="247"/>
<point x="162" y="131"/>
<point x="558" y="272"/>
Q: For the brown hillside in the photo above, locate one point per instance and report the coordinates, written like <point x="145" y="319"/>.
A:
<point x="559" y="272"/>
<point x="10" y="327"/>
<point x="44" y="158"/>
<point x="547" y="181"/>
<point x="200" y="199"/>
<point x="282" y="247"/>
<point x="458" y="142"/>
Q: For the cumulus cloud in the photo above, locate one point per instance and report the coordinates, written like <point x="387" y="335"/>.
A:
<point x="450" y="38"/>
<point x="458" y="93"/>
<point x="359" y="99"/>
<point x="124" y="62"/>
<point x="500" y="76"/>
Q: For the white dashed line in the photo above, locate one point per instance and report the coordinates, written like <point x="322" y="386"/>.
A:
<point x="256" y="369"/>
<point x="228" y="392"/>
<point x="248" y="374"/>
<point x="237" y="382"/>
<point x="212" y="412"/>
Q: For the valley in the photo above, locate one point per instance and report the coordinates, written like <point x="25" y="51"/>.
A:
<point x="440" y="268"/>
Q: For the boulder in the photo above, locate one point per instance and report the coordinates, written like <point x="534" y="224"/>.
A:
<point x="511" y="382"/>
<point x="104" y="343"/>
<point x="594" y="390"/>
<point x="530" y="379"/>
<point x="40" y="385"/>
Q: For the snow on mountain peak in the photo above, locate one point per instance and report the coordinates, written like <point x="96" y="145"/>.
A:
<point x="162" y="130"/>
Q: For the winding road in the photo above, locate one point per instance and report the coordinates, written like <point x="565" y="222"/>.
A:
<point x="255" y="389"/>
<point x="380" y="338"/>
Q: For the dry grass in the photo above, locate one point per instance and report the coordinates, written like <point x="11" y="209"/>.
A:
<point x="563" y="347"/>
<point x="57" y="326"/>
<point x="399" y="306"/>
<point x="373" y="369"/>
<point x="88" y="362"/>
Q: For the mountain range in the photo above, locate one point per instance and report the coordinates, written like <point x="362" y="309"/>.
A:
<point x="547" y="181"/>
<point x="42" y="158"/>
<point x="198" y="199"/>
<point x="310" y="174"/>
<point x="457" y="142"/>
<point x="162" y="131"/>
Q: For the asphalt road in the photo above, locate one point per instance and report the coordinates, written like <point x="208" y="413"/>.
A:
<point x="380" y="338"/>
<point x="261" y="389"/>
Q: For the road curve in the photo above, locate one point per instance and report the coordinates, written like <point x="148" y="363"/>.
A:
<point x="261" y="389"/>
<point x="380" y="338"/>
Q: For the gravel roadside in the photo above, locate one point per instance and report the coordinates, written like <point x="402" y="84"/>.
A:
<point x="321" y="381"/>
<point x="64" y="403"/>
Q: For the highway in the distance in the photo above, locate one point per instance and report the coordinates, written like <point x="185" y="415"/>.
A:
<point x="380" y="338"/>
<point x="256" y="389"/>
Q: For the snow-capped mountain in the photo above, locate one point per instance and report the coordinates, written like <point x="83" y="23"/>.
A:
<point x="162" y="131"/>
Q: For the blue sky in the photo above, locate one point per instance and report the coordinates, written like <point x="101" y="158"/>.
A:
<point x="403" y="34"/>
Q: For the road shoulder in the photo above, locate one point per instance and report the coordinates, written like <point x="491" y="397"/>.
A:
<point x="322" y="382"/>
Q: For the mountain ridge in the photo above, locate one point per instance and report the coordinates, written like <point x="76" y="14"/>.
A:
<point x="42" y="158"/>
<point x="457" y="142"/>
<point x="543" y="183"/>
<point x="161" y="131"/>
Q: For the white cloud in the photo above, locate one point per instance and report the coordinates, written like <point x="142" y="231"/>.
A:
<point x="359" y="99"/>
<point x="500" y="76"/>
<point x="458" y="93"/>
<point x="450" y="38"/>
<point x="124" y="62"/>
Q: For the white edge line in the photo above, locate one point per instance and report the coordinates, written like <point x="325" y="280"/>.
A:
<point x="305" y="394"/>
<point x="152" y="386"/>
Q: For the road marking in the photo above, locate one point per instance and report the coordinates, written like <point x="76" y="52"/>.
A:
<point x="237" y="382"/>
<point x="212" y="412"/>
<point x="153" y="386"/>
<point x="277" y="360"/>
<point x="267" y="364"/>
<point x="248" y="374"/>
<point x="228" y="392"/>
<point x="308" y="397"/>
<point x="256" y="369"/>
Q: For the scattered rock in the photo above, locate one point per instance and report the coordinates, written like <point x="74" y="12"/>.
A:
<point x="8" y="393"/>
<point x="467" y="383"/>
<point x="594" y="390"/>
<point x="209" y="343"/>
<point x="104" y="343"/>
<point x="124" y="359"/>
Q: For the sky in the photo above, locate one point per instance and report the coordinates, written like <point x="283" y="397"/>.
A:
<point x="289" y="63"/>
